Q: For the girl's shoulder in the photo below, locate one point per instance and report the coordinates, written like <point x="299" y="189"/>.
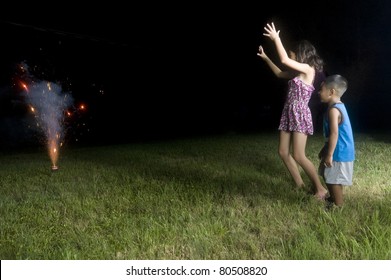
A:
<point x="298" y="81"/>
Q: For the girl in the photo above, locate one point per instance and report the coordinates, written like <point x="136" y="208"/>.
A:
<point x="296" y="119"/>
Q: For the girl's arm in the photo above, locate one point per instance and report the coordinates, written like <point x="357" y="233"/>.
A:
<point x="274" y="35"/>
<point x="277" y="71"/>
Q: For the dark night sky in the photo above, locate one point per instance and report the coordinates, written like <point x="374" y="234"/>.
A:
<point x="191" y="69"/>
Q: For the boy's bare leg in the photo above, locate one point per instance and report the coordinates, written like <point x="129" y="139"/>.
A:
<point x="336" y="193"/>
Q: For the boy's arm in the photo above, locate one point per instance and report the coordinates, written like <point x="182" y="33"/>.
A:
<point x="334" y="117"/>
<point x="323" y="152"/>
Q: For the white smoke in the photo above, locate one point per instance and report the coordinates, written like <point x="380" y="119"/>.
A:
<point x="48" y="104"/>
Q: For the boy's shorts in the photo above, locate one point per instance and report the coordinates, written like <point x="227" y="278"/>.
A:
<point x="341" y="173"/>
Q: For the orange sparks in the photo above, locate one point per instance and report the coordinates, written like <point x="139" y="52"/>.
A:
<point x="53" y="151"/>
<point x="25" y="86"/>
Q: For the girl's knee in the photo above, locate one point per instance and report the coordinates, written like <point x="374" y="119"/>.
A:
<point x="299" y="157"/>
<point x="283" y="154"/>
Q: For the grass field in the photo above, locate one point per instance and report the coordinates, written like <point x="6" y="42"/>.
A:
<point x="218" y="197"/>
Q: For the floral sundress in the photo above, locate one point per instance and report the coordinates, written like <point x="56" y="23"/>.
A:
<point x="296" y="114"/>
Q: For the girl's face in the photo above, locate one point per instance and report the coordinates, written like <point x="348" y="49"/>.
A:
<point x="292" y="55"/>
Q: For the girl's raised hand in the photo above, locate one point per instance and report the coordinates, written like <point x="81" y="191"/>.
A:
<point x="271" y="31"/>
<point x="261" y="53"/>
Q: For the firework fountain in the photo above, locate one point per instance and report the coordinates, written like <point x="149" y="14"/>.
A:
<point x="49" y="105"/>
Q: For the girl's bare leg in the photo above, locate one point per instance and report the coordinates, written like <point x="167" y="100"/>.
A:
<point x="299" y="143"/>
<point x="290" y="163"/>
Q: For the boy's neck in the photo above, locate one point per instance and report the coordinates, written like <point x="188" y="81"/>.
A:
<point x="334" y="100"/>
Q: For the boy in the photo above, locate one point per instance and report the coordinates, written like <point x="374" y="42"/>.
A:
<point x="338" y="153"/>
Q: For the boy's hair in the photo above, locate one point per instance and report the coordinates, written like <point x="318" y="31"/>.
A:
<point x="337" y="82"/>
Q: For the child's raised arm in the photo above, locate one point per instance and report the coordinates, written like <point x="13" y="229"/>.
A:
<point x="276" y="70"/>
<point x="274" y="35"/>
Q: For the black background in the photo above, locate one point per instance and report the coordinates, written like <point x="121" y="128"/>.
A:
<point x="164" y="71"/>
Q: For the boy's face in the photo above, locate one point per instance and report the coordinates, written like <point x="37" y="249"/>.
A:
<point x="324" y="93"/>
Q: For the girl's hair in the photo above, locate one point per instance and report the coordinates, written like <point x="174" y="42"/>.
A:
<point x="306" y="53"/>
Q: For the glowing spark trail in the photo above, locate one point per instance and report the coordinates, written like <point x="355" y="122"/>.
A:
<point x="49" y="106"/>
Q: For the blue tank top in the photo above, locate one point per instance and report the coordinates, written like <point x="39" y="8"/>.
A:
<point x="344" y="150"/>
